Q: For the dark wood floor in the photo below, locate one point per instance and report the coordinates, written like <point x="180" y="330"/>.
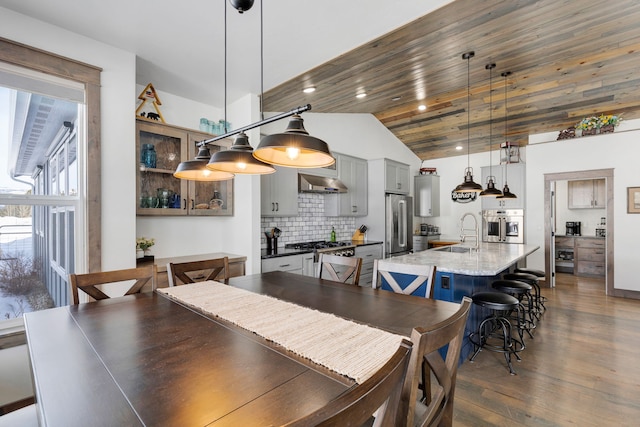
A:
<point x="581" y="369"/>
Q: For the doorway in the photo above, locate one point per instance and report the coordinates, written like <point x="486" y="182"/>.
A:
<point x="550" y="184"/>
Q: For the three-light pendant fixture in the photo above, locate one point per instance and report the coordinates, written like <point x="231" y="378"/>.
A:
<point x="292" y="148"/>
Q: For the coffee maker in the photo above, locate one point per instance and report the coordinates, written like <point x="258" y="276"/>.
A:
<point x="573" y="228"/>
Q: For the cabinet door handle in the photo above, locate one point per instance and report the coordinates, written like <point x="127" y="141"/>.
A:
<point x="285" y="265"/>
<point x="184" y="203"/>
<point x="277" y="207"/>
<point x="273" y="207"/>
<point x="193" y="204"/>
<point x="399" y="185"/>
<point x="354" y="209"/>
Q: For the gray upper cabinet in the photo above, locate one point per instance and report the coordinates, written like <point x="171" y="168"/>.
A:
<point x="514" y="174"/>
<point x="353" y="172"/>
<point x="587" y="194"/>
<point x="279" y="193"/>
<point x="426" y="199"/>
<point x="396" y="177"/>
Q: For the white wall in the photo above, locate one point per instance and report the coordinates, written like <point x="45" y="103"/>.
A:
<point x="618" y="151"/>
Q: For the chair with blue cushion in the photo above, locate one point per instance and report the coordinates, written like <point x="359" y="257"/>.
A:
<point x="404" y="278"/>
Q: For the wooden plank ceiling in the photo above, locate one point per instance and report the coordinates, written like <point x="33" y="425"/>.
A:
<point x="569" y="59"/>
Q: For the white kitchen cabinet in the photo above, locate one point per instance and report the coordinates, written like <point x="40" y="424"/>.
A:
<point x="308" y="267"/>
<point x="514" y="174"/>
<point x="328" y="171"/>
<point x="396" y="177"/>
<point x="426" y="198"/>
<point x="353" y="172"/>
<point x="279" y="193"/>
<point x="290" y="263"/>
<point x="368" y="253"/>
<point x="587" y="194"/>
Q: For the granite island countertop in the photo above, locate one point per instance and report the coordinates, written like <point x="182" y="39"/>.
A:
<point x="489" y="260"/>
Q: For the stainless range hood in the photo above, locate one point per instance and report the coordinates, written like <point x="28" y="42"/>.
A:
<point x="319" y="184"/>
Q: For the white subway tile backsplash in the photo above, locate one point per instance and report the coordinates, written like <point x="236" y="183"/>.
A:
<point x="310" y="224"/>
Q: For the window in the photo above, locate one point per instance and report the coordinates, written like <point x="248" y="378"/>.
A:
<point x="43" y="193"/>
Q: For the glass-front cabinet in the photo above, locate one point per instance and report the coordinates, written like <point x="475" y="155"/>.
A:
<point x="159" y="150"/>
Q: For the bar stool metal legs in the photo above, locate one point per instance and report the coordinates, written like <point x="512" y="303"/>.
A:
<point x="494" y="332"/>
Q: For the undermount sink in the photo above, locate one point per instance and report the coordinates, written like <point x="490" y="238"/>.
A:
<point x="455" y="249"/>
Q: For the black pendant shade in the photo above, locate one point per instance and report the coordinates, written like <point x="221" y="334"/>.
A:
<point x="239" y="159"/>
<point x="491" y="190"/>
<point x="196" y="170"/>
<point x="506" y="193"/>
<point x="468" y="185"/>
<point x="294" y="148"/>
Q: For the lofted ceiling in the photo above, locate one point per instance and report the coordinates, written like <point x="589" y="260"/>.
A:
<point x="569" y="60"/>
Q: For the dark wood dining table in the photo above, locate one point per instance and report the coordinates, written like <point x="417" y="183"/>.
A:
<point x="147" y="360"/>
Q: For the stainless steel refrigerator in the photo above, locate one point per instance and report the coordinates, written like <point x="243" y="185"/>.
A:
<point x="399" y="225"/>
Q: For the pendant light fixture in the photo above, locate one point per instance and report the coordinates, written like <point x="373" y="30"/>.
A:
<point x="239" y="158"/>
<point x="506" y="193"/>
<point x="196" y="170"/>
<point x="468" y="185"/>
<point x="491" y="190"/>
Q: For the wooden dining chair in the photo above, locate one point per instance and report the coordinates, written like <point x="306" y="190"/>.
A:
<point x="339" y="268"/>
<point x="433" y="369"/>
<point x="380" y="394"/>
<point x="405" y="279"/>
<point x="91" y="283"/>
<point x="196" y="271"/>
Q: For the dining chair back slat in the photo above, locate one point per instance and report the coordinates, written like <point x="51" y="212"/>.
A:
<point x="433" y="367"/>
<point x="408" y="279"/>
<point x="380" y="394"/>
<point x="339" y="268"/>
<point x="91" y="283"/>
<point x="178" y="272"/>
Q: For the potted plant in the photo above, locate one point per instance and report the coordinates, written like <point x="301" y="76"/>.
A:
<point x="588" y="125"/>
<point x="608" y="122"/>
<point x="142" y="245"/>
<point x="604" y="123"/>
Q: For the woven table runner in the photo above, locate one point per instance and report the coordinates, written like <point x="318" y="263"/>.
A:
<point x="348" y="348"/>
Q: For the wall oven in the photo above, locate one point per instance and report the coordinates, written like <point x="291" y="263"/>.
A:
<point x="503" y="226"/>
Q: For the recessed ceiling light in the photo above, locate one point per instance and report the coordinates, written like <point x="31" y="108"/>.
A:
<point x="361" y="95"/>
<point x="459" y="147"/>
<point x="396" y="98"/>
<point x="309" y="89"/>
<point x="422" y="107"/>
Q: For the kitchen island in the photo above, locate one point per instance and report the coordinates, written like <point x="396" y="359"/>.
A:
<point x="462" y="270"/>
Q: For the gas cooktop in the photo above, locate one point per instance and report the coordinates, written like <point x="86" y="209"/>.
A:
<point x="321" y="244"/>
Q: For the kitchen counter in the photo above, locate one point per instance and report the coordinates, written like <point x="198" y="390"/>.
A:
<point x="489" y="260"/>
<point x="287" y="252"/>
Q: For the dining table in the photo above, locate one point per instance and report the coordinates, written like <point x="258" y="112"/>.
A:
<point x="150" y="359"/>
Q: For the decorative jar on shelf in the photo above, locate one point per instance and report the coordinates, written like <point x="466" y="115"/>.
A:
<point x="139" y="253"/>
<point x="148" y="156"/>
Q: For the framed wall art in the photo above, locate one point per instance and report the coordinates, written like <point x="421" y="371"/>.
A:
<point x="633" y="200"/>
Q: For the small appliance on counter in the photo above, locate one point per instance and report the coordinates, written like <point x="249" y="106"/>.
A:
<point x="574" y="228"/>
<point x="429" y="230"/>
<point x="601" y="229"/>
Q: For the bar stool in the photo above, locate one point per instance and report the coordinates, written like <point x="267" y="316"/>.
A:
<point x="533" y="281"/>
<point x="538" y="273"/>
<point x="494" y="332"/>
<point x="524" y="315"/>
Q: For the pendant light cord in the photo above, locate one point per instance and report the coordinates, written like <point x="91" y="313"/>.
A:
<point x="490" y="116"/>
<point x="468" y="112"/>
<point x="506" y="140"/>
<point x="261" y="60"/>
<point x="225" y="67"/>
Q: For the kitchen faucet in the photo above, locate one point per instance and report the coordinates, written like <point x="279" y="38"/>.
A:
<point x="476" y="233"/>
